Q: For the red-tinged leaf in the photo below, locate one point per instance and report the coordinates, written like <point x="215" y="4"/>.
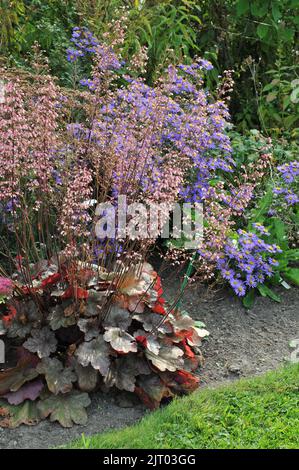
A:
<point x="158" y="308"/>
<point x="151" y="390"/>
<point x="51" y="280"/>
<point x="12" y="416"/>
<point x="135" y="304"/>
<point x="75" y="292"/>
<point x="147" y="341"/>
<point x="188" y="381"/>
<point x="29" y="391"/>
<point x="142" y="340"/>
<point x="188" y="351"/>
<point x="168" y="358"/>
<point x="13" y="379"/>
<point x="80" y="293"/>
<point x="8" y="318"/>
<point x="158" y="284"/>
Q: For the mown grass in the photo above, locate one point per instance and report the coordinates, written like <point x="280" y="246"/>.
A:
<point x="261" y="412"/>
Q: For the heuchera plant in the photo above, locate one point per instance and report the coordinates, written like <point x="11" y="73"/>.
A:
<point x="89" y="328"/>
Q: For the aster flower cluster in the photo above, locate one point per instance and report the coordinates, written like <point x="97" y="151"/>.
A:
<point x="248" y="261"/>
<point x="85" y="45"/>
<point x="155" y="135"/>
<point x="289" y="173"/>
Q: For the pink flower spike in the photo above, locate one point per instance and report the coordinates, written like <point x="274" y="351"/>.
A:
<point x="6" y="286"/>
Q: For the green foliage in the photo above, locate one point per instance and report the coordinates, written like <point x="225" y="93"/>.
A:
<point x="259" y="413"/>
<point x="255" y="38"/>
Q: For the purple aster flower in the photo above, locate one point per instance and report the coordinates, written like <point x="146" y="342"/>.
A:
<point x="261" y="229"/>
<point x="238" y="287"/>
<point x="251" y="281"/>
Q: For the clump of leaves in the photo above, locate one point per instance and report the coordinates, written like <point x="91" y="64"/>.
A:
<point x="76" y="334"/>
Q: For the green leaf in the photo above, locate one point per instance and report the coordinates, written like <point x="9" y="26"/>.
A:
<point x="292" y="255"/>
<point x="259" y="8"/>
<point x="292" y="275"/>
<point x="248" y="300"/>
<point x="242" y="7"/>
<point x="262" y="30"/>
<point x="276" y="13"/>
<point x="265" y="291"/>
<point x="287" y="34"/>
<point x="263" y="206"/>
<point x="66" y="409"/>
<point x="279" y="230"/>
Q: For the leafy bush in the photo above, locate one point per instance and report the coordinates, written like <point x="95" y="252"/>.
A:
<point x="82" y="327"/>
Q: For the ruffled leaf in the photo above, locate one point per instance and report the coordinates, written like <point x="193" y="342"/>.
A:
<point x="58" y="319"/>
<point x="90" y="328"/>
<point x="29" y="391"/>
<point x="151" y="390"/>
<point x="120" y="340"/>
<point x="13" y="416"/>
<point x="87" y="376"/>
<point x="117" y="317"/>
<point x="96" y="353"/>
<point x="13" y="379"/>
<point x="169" y="358"/>
<point x="124" y="371"/>
<point x="66" y="409"/>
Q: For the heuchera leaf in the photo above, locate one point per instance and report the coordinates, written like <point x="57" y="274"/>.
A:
<point x="87" y="376"/>
<point x="117" y="317"/>
<point x="58" y="319"/>
<point x="148" y="341"/>
<point x="90" y="328"/>
<point x="96" y="353"/>
<point x="96" y="300"/>
<point x="153" y="322"/>
<point x="66" y="409"/>
<point x="13" y="416"/>
<point x="42" y="342"/>
<point x="29" y="391"/>
<point x="13" y="379"/>
<point x="151" y="390"/>
<point x="124" y="371"/>
<point x="58" y="378"/>
<point x="120" y="340"/>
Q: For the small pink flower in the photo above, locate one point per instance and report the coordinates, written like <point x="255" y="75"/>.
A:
<point x="6" y="286"/>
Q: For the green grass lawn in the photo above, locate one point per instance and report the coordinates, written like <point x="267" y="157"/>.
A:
<point x="261" y="412"/>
